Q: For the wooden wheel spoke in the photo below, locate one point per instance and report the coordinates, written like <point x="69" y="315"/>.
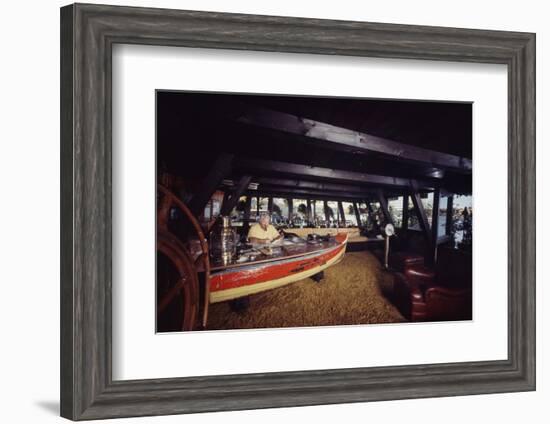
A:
<point x="171" y="294"/>
<point x="170" y="246"/>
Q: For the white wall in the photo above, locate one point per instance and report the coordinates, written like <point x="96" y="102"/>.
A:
<point x="29" y="217"/>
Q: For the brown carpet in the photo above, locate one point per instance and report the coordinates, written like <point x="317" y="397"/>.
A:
<point x="349" y="294"/>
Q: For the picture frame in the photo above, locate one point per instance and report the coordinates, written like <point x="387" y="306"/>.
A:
<point x="88" y="33"/>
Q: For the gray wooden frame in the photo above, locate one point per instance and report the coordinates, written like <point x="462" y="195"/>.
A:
<point x="88" y="33"/>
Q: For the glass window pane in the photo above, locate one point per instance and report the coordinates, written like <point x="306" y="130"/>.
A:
<point x="427" y="203"/>
<point x="253" y="208"/>
<point x="364" y="213"/>
<point x="299" y="214"/>
<point x="319" y="213"/>
<point x="212" y="208"/>
<point x="378" y="214"/>
<point x="237" y="214"/>
<point x="413" y="223"/>
<point x="333" y="213"/>
<point x="263" y="204"/>
<point x="442" y="229"/>
<point x="461" y="228"/>
<point x="258" y="205"/>
<point x="279" y="215"/>
<point x="349" y="214"/>
<point x="395" y="207"/>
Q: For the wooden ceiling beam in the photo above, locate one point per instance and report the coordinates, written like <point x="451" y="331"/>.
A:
<point x="334" y="137"/>
<point x="315" y="185"/>
<point x="285" y="192"/>
<point x="262" y="167"/>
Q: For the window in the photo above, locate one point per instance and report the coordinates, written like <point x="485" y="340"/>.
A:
<point x="364" y="214"/>
<point x="263" y="204"/>
<point x="279" y="214"/>
<point x="349" y="214"/>
<point x="257" y="206"/>
<point x="442" y="229"/>
<point x="237" y="214"/>
<point x="299" y="213"/>
<point x="378" y="215"/>
<point x="318" y="213"/>
<point x="332" y="213"/>
<point x="253" y="208"/>
<point x="427" y="203"/>
<point x="395" y="207"/>
<point x="461" y="228"/>
<point x="212" y="208"/>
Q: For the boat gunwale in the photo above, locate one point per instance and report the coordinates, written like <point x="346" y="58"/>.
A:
<point x="221" y="270"/>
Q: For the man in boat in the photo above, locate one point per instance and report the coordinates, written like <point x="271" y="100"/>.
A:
<point x="263" y="232"/>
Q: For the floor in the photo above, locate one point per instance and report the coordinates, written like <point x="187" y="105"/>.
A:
<point x="349" y="294"/>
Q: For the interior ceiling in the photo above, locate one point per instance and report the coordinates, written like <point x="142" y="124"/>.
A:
<point x="193" y="128"/>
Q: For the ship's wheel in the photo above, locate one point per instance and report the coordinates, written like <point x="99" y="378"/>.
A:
<point x="178" y="282"/>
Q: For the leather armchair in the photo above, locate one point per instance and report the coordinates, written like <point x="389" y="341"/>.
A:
<point x="439" y="303"/>
<point x="401" y="261"/>
<point x="435" y="297"/>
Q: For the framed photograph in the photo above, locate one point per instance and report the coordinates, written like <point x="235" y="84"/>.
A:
<point x="265" y="212"/>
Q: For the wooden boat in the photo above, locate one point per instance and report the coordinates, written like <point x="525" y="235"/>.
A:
<point x="258" y="269"/>
<point x="274" y="267"/>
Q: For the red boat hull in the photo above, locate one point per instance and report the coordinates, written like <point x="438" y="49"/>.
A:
<point x="254" y="278"/>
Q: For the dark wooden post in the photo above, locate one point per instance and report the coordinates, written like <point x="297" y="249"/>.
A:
<point x="220" y="169"/>
<point x="270" y="205"/>
<point x="435" y="224"/>
<point x="258" y="206"/>
<point x="423" y="221"/>
<point x="231" y="200"/>
<point x="309" y="220"/>
<point x="246" y="216"/>
<point x="290" y="207"/>
<point x="342" y="214"/>
<point x="405" y="223"/>
<point x="450" y="213"/>
<point x="384" y="206"/>
<point x="357" y="214"/>
<point x="325" y="210"/>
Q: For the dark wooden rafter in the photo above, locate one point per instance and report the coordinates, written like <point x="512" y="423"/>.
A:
<point x="286" y="168"/>
<point x="420" y="211"/>
<point x="405" y="223"/>
<point x="311" y="193"/>
<point x="353" y="141"/>
<point x="384" y="206"/>
<point x="220" y="169"/>
<point x="357" y="214"/>
<point x="232" y="198"/>
<point x="449" y="222"/>
<point x="435" y="225"/>
<point x="286" y="192"/>
<point x="342" y="214"/>
<point x="290" y="207"/>
<point x="315" y="185"/>
<point x="246" y="216"/>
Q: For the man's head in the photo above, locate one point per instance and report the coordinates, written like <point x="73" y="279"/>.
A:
<point x="264" y="220"/>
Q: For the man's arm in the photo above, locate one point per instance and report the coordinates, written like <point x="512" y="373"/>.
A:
<point x="277" y="234"/>
<point x="258" y="240"/>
